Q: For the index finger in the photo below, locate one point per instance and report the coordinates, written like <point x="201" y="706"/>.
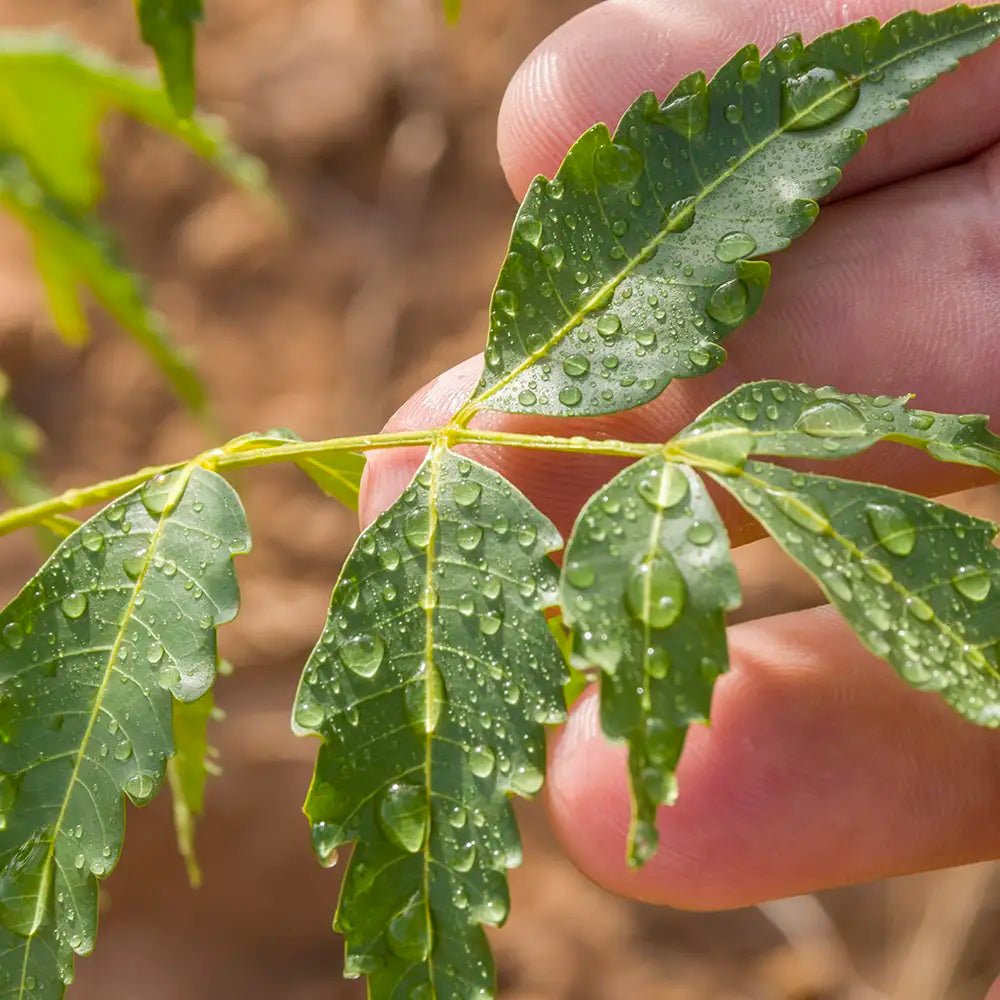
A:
<point x="593" y="67"/>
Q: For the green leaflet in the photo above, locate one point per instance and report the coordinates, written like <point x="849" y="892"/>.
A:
<point x="797" y="421"/>
<point x="53" y="97"/>
<point x="430" y="686"/>
<point x="20" y="441"/>
<point x="121" y="618"/>
<point x="630" y="266"/>
<point x="918" y="581"/>
<point x="337" y="473"/>
<point x="74" y="252"/>
<point x="187" y="772"/>
<point x="168" y="28"/>
<point x="647" y="579"/>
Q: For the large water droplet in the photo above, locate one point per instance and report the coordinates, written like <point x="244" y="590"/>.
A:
<point x="806" y="513"/>
<point x="417" y="528"/>
<point x="735" y="246"/>
<point x="817" y="97"/>
<point x="831" y="419"/>
<point x="655" y="591"/>
<point x="26" y="886"/>
<point x="326" y="837"/>
<point x="663" y="487"/>
<point x="92" y="539"/>
<point x="469" y="536"/>
<point x="688" y="114"/>
<point x="158" y="493"/>
<point x="729" y="303"/>
<point x="402" y="815"/>
<point x="892" y="528"/>
<point x="576" y="366"/>
<point x="13" y="635"/>
<point x="973" y="582"/>
<point x="467" y="493"/>
<point x="74" y="605"/>
<point x="620" y="166"/>
<point x="363" y="654"/>
<point x="409" y="933"/>
<point x="700" y="533"/>
<point x="580" y="574"/>
<point x="481" y="761"/>
<point x="140" y="788"/>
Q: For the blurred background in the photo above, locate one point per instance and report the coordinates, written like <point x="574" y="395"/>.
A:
<point x="377" y="122"/>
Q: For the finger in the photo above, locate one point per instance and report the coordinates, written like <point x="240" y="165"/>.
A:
<point x="595" y="65"/>
<point x="821" y="768"/>
<point x="893" y="292"/>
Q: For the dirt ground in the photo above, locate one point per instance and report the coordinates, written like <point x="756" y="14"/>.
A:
<point x="377" y="123"/>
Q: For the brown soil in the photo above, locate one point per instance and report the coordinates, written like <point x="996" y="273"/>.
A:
<point x="378" y="126"/>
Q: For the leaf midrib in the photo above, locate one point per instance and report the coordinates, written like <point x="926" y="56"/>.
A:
<point x="601" y="295"/>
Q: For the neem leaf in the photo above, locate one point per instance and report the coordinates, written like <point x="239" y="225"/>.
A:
<point x="647" y="579"/>
<point x="187" y="772"/>
<point x="430" y="686"/>
<point x="75" y="252"/>
<point x="168" y="28"/>
<point x="54" y="95"/>
<point x="119" y="621"/>
<point x="796" y="421"/>
<point x="918" y="581"/>
<point x="629" y="267"/>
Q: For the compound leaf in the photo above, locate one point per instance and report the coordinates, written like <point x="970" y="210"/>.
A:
<point x="119" y="621"/>
<point x="429" y="687"/>
<point x="168" y="27"/>
<point x="796" y="421"/>
<point x="918" y="581"/>
<point x="629" y="267"/>
<point x="646" y="581"/>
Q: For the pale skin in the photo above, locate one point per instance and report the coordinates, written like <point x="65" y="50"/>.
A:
<point x="821" y="768"/>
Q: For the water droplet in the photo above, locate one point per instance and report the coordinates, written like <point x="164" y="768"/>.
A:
<point x="892" y="528"/>
<point x="506" y="301"/>
<point x="973" y="582"/>
<point x="526" y="779"/>
<point x="74" y="605"/>
<point x="663" y="487"/>
<point x="580" y="574"/>
<point x="92" y="539"/>
<point x="576" y="365"/>
<point x="817" y="97"/>
<point x="527" y="398"/>
<point x="467" y="493"/>
<point x="750" y="71"/>
<point x="609" y="325"/>
<point x="553" y="255"/>
<point x="655" y="591"/>
<point x="123" y="750"/>
<point x="700" y="533"/>
<point x="735" y="246"/>
<point x="806" y="513"/>
<point x="688" y="114"/>
<point x="158" y="493"/>
<point x="481" y="761"/>
<point x="134" y="565"/>
<point x="832" y="418"/>
<point x="617" y="165"/>
<point x="657" y="662"/>
<point x="729" y="303"/>
<point x="402" y="815"/>
<point x="363" y="654"/>
<point x="13" y="635"/>
<point x="570" y="396"/>
<point x="527" y="535"/>
<point x="409" y="933"/>
<point x="326" y="837"/>
<point x="469" y="536"/>
<point x="530" y="230"/>
<point x="417" y="528"/>
<point x="921" y="421"/>
<point x="25" y="886"/>
<point x="490" y="624"/>
<point x="9" y="788"/>
<point x="876" y="571"/>
<point x="155" y="653"/>
<point x="140" y="788"/>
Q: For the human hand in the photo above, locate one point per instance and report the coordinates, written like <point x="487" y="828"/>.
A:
<point x="821" y="767"/>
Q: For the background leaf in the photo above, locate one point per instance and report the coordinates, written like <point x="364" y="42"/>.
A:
<point x="918" y="581"/>
<point x="630" y="266"/>
<point x="121" y="617"/>
<point x="797" y="421"/>
<point x="430" y="686"/>
<point x="187" y="772"/>
<point x="647" y="579"/>
<point x="168" y="28"/>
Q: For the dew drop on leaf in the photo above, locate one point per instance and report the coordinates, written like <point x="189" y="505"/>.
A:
<point x="805" y="513"/>
<point x="831" y="419"/>
<point x="417" y="528"/>
<point x="576" y="366"/>
<point x="892" y="529"/>
<point x="973" y="582"/>
<point x="655" y="591"/>
<point x="409" y="934"/>
<point x="140" y="788"/>
<point x="402" y="815"/>
<point x="735" y="246"/>
<point x="465" y="494"/>
<point x="13" y="635"/>
<point x="817" y="97"/>
<point x="570" y="396"/>
<point x="363" y="654"/>
<point x="74" y="605"/>
<point x="580" y="574"/>
<point x="700" y="533"/>
<point x="729" y="303"/>
<point x="469" y="536"/>
<point x="664" y="487"/>
<point x="481" y="761"/>
<point x="92" y="539"/>
<point x="24" y="881"/>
